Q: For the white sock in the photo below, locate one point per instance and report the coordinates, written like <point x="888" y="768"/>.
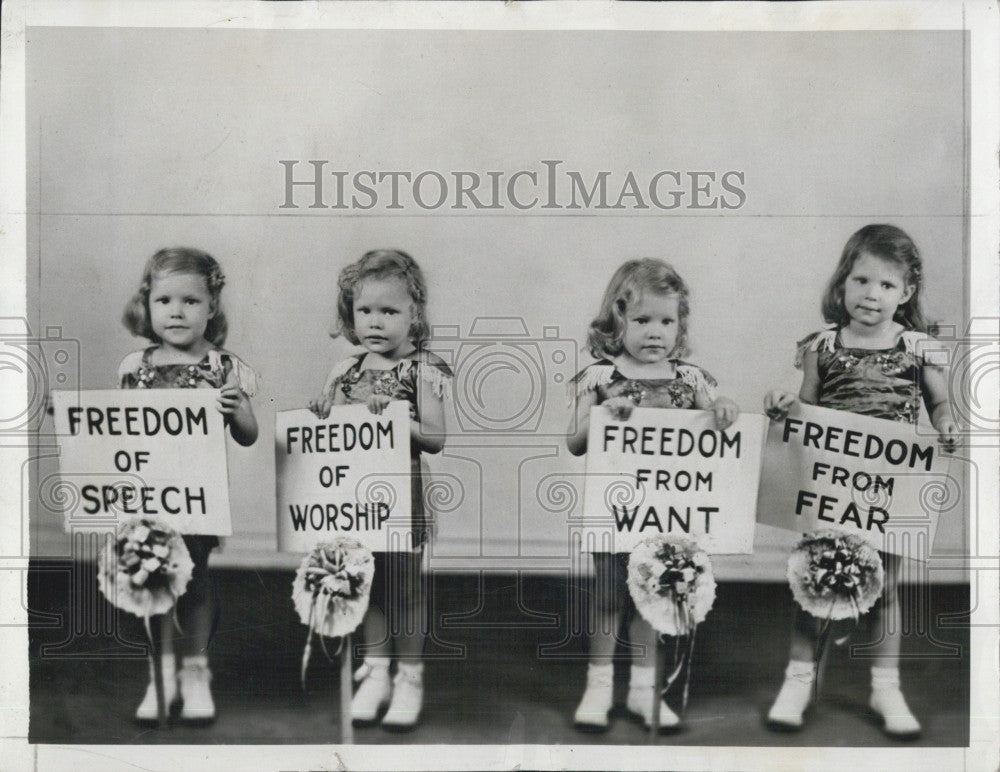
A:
<point x="374" y="662"/>
<point x="411" y="670"/>
<point x="640" y="676"/>
<point x="601" y="671"/>
<point x="885" y="678"/>
<point x="196" y="660"/>
<point x="801" y="670"/>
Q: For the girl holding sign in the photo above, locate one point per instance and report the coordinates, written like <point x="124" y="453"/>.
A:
<point x="637" y="337"/>
<point x="874" y="360"/>
<point x="177" y="307"/>
<point x="382" y="306"/>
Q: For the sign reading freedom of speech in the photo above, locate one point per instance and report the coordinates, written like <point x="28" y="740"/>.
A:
<point x="345" y="474"/>
<point x="833" y="469"/>
<point x="144" y="453"/>
<point x="672" y="472"/>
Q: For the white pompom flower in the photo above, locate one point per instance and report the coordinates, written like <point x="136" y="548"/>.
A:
<point x="671" y="582"/>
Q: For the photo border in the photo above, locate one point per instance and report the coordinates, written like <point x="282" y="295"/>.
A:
<point x="979" y="19"/>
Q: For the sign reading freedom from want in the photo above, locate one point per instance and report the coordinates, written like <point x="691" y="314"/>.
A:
<point x="345" y="474"/>
<point x="832" y="469"/>
<point x="144" y="453"/>
<point x="671" y="472"/>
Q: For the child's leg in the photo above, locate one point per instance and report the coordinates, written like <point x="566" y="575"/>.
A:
<point x="796" y="691"/>
<point x="605" y="607"/>
<point x="642" y="676"/>
<point x="886" y="698"/>
<point x="197" y="617"/>
<point x="148" y="710"/>
<point x="374" y="685"/>
<point x="408" y="631"/>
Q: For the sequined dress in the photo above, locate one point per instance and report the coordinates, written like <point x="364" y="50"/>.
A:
<point x="137" y="371"/>
<point x="403" y="382"/>
<point x="880" y="383"/>
<point x="606" y="381"/>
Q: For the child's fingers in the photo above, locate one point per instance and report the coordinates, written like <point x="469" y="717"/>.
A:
<point x="777" y="404"/>
<point x="320" y="406"/>
<point x="620" y="408"/>
<point x="725" y="414"/>
<point x="948" y="436"/>
<point x="776" y="413"/>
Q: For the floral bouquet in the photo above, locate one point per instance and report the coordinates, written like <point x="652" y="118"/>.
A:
<point x="146" y="569"/>
<point x="835" y="576"/>
<point x="331" y="590"/>
<point x="670" y="580"/>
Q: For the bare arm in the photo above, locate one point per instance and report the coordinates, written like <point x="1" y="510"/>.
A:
<point x="777" y="402"/>
<point x="726" y="411"/>
<point x="429" y="432"/>
<point x="236" y="407"/>
<point x="576" y="434"/>
<point x="934" y="383"/>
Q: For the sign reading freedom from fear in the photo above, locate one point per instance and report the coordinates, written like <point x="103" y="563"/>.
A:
<point x="345" y="474"/>
<point x="671" y="472"/>
<point x="832" y="469"/>
<point x="144" y="453"/>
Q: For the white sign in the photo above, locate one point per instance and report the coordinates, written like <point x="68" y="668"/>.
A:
<point x="832" y="469"/>
<point x="143" y="453"/>
<point x="346" y="474"/>
<point x="672" y="472"/>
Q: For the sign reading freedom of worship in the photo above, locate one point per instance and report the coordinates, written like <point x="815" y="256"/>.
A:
<point x="144" y="453"/>
<point x="345" y="474"/>
<point x="833" y="469"/>
<point x="672" y="472"/>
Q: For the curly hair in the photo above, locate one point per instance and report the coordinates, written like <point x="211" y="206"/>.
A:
<point x="382" y="264"/>
<point x="136" y="317"/>
<point x="607" y="331"/>
<point x="888" y="243"/>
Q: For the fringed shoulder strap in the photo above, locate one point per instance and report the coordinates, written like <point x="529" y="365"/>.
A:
<point x="927" y="350"/>
<point x="698" y="379"/>
<point x="432" y="370"/>
<point x="246" y="376"/>
<point x="129" y="365"/>
<point x="339" y="371"/>
<point x="824" y="339"/>
<point x="590" y="378"/>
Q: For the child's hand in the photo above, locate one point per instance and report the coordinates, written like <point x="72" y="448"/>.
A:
<point x="320" y="406"/>
<point x="377" y="403"/>
<point x="726" y="411"/>
<point x="230" y="397"/>
<point x="777" y="403"/>
<point x="620" y="408"/>
<point x="948" y="434"/>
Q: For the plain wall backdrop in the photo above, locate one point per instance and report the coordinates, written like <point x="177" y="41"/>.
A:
<point x="144" y="138"/>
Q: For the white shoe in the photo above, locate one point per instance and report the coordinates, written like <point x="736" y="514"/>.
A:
<point x="407" y="699"/>
<point x="592" y="713"/>
<point x="793" y="699"/>
<point x="371" y="695"/>
<point x="890" y="705"/>
<point x="194" y="680"/>
<point x="640" y="704"/>
<point x="148" y="712"/>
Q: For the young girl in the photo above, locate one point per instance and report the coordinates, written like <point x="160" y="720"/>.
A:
<point x="637" y="338"/>
<point x="871" y="362"/>
<point x="177" y="308"/>
<point x="382" y="307"/>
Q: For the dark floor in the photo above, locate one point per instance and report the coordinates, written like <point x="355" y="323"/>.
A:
<point x="499" y="671"/>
